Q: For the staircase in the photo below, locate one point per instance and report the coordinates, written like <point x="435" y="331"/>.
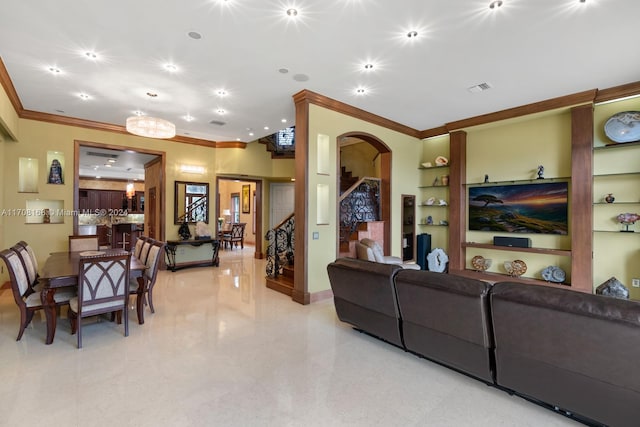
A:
<point x="347" y="180"/>
<point x="280" y="256"/>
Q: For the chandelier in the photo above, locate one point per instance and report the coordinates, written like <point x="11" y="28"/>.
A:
<point x="150" y="127"/>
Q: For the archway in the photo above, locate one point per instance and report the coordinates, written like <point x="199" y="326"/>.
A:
<point x="384" y="156"/>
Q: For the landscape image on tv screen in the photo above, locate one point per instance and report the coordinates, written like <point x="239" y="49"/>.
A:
<point x="520" y="208"/>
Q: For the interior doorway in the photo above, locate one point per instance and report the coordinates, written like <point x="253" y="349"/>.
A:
<point x="108" y="153"/>
<point x="381" y="168"/>
<point x="239" y="199"/>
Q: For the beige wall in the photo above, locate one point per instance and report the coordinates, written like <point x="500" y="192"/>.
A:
<point x="404" y="176"/>
<point x="360" y="159"/>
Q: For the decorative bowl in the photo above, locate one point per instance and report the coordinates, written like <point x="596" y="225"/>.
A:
<point x="515" y="268"/>
<point x="480" y="263"/>
<point x="623" y="127"/>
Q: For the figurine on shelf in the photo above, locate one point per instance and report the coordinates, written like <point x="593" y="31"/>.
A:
<point x="55" y="173"/>
<point x="486" y="178"/>
<point x="435" y="181"/>
<point x="429" y="220"/>
<point x="609" y="198"/>
<point x="540" y="172"/>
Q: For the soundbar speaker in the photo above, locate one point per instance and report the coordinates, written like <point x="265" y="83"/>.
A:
<point x="516" y="242"/>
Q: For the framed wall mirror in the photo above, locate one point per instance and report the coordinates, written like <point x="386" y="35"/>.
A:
<point x="191" y="202"/>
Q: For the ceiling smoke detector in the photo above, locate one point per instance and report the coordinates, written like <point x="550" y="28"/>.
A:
<point x="479" y="87"/>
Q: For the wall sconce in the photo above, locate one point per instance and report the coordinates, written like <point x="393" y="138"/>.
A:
<point x="192" y="169"/>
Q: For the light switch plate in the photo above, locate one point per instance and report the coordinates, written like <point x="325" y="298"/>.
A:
<point x="316" y="235"/>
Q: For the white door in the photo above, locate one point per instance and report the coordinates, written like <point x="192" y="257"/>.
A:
<point x="282" y="200"/>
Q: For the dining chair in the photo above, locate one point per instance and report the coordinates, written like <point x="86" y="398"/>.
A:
<point x="83" y="243"/>
<point x="26" y="299"/>
<point x="137" y="249"/>
<point x="149" y="277"/>
<point x="144" y="252"/>
<point x="102" y="288"/>
<point x="27" y="263"/>
<point x="235" y="236"/>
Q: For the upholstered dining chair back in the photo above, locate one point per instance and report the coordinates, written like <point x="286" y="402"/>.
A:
<point x="137" y="249"/>
<point x="83" y="243"/>
<point x="26" y="299"/>
<point x="103" y="287"/>
<point x="144" y="252"/>
<point x="27" y="263"/>
<point x="150" y="273"/>
<point x="32" y="254"/>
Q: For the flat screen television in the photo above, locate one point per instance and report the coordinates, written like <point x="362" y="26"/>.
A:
<point x="520" y="208"/>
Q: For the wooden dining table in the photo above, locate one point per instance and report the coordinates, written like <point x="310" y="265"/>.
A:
<point x="60" y="270"/>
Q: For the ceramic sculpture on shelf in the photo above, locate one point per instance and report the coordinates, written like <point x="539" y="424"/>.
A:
<point x="437" y="260"/>
<point x="609" y="198"/>
<point x="627" y="219"/>
<point x="202" y="230"/>
<point x="554" y="274"/>
<point x="613" y="288"/>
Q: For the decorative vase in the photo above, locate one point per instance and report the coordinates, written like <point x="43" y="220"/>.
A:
<point x="184" y="232"/>
<point x="609" y="198"/>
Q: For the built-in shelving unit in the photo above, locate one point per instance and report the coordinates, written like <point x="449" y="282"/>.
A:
<point x="546" y="251"/>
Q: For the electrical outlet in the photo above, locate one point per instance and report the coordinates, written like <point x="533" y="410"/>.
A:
<point x="635" y="283"/>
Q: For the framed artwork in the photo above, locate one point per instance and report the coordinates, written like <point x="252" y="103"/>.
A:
<point x="521" y="208"/>
<point x="246" y="204"/>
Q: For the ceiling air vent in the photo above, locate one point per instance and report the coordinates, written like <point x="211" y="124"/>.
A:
<point x="217" y="122"/>
<point x="106" y="155"/>
<point x="479" y="88"/>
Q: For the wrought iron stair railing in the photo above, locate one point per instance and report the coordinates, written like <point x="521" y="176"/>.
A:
<point x="280" y="246"/>
<point x="195" y="211"/>
<point x="360" y="203"/>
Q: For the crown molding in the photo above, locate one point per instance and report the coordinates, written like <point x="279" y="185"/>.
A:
<point x="340" y="107"/>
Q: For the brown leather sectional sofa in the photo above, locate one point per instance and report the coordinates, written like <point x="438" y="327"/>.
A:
<point x="575" y="353"/>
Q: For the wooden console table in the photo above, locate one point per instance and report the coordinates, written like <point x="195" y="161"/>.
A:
<point x="172" y="245"/>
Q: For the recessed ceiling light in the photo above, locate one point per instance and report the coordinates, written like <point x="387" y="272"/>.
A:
<point x="138" y="113"/>
<point x="368" y="66"/>
<point x="292" y="12"/>
<point x="98" y="177"/>
<point x="111" y="160"/>
<point x="152" y="94"/>
<point x="60" y="111"/>
<point x="221" y="111"/>
<point x="91" y="55"/>
<point x="300" y="77"/>
<point x="189" y="118"/>
<point x="283" y="70"/>
<point x="107" y="165"/>
<point x="284" y="120"/>
<point x="84" y="96"/>
<point x="221" y="93"/>
<point x="412" y="34"/>
<point x="170" y="68"/>
<point x="360" y="91"/>
<point x="54" y="70"/>
<point x="495" y="4"/>
<point x="194" y="35"/>
<point x="250" y="133"/>
<point x="266" y="128"/>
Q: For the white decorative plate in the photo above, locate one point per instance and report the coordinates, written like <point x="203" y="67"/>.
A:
<point x="623" y="127"/>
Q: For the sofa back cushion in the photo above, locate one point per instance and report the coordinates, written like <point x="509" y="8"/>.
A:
<point x="570" y="349"/>
<point x="446" y="318"/>
<point x="364" y="296"/>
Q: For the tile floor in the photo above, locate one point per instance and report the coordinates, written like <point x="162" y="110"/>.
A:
<point x="223" y="350"/>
